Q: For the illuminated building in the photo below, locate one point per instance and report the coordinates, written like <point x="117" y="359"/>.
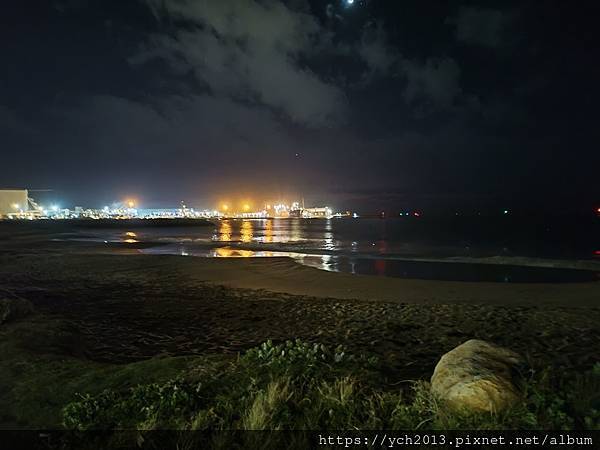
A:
<point x="254" y="215"/>
<point x="13" y="202"/>
<point x="281" y="210"/>
<point x="317" y="213"/>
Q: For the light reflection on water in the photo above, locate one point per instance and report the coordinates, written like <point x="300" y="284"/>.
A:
<point x="371" y="247"/>
<point x="224" y="231"/>
<point x="269" y="231"/>
<point x="227" y="252"/>
<point x="406" y="268"/>
<point x="246" y="231"/>
<point x="130" y="237"/>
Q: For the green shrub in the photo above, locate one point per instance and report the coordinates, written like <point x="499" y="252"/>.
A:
<point x="302" y="359"/>
<point x="298" y="385"/>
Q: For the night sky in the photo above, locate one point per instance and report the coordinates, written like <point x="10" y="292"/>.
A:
<point x="369" y="105"/>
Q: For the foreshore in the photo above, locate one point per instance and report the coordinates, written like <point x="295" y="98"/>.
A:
<point x="239" y="302"/>
<point x="117" y="306"/>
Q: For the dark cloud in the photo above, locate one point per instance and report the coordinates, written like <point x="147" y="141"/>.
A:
<point x="251" y="51"/>
<point x="434" y="83"/>
<point x="481" y="26"/>
<point x="375" y="52"/>
<point x="267" y="53"/>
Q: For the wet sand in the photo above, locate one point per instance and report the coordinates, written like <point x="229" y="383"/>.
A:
<point x="284" y="275"/>
<point x="127" y="307"/>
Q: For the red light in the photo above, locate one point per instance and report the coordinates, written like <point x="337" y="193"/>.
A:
<point x="597" y="253"/>
<point x="598" y="210"/>
<point x="416" y="214"/>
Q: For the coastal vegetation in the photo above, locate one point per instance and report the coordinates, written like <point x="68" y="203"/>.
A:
<point x="287" y="385"/>
<point x="299" y="385"/>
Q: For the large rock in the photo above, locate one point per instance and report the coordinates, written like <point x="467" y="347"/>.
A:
<point x="14" y="308"/>
<point x="478" y="376"/>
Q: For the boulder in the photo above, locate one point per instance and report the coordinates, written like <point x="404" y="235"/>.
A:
<point x="478" y="376"/>
<point x="14" y="308"/>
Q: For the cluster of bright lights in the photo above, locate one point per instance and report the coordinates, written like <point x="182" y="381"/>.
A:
<point x="281" y="208"/>
<point x="128" y="208"/>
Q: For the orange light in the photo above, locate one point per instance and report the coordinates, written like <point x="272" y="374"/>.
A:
<point x="225" y="207"/>
<point x="246" y="207"/>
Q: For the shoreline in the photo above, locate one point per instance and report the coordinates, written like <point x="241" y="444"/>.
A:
<point x="98" y="312"/>
<point x="284" y="275"/>
<point x="132" y="307"/>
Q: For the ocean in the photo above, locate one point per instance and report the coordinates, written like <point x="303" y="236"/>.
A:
<point x="496" y="249"/>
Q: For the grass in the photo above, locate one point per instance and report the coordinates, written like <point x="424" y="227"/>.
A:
<point x="292" y="385"/>
<point x="304" y="386"/>
<point x="37" y="380"/>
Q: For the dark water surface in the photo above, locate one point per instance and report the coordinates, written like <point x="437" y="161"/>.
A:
<point x="451" y="271"/>
<point x="385" y="247"/>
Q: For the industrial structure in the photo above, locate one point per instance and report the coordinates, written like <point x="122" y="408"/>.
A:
<point x="16" y="204"/>
<point x="13" y="202"/>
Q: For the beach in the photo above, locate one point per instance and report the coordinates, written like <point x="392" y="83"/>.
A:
<point x="115" y="306"/>
<point x="122" y="302"/>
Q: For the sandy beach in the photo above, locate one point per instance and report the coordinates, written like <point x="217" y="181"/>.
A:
<point x="130" y="306"/>
<point x="115" y="306"/>
<point x="111" y="309"/>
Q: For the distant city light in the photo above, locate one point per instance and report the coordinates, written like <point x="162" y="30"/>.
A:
<point x="506" y="211"/>
<point x="128" y="208"/>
